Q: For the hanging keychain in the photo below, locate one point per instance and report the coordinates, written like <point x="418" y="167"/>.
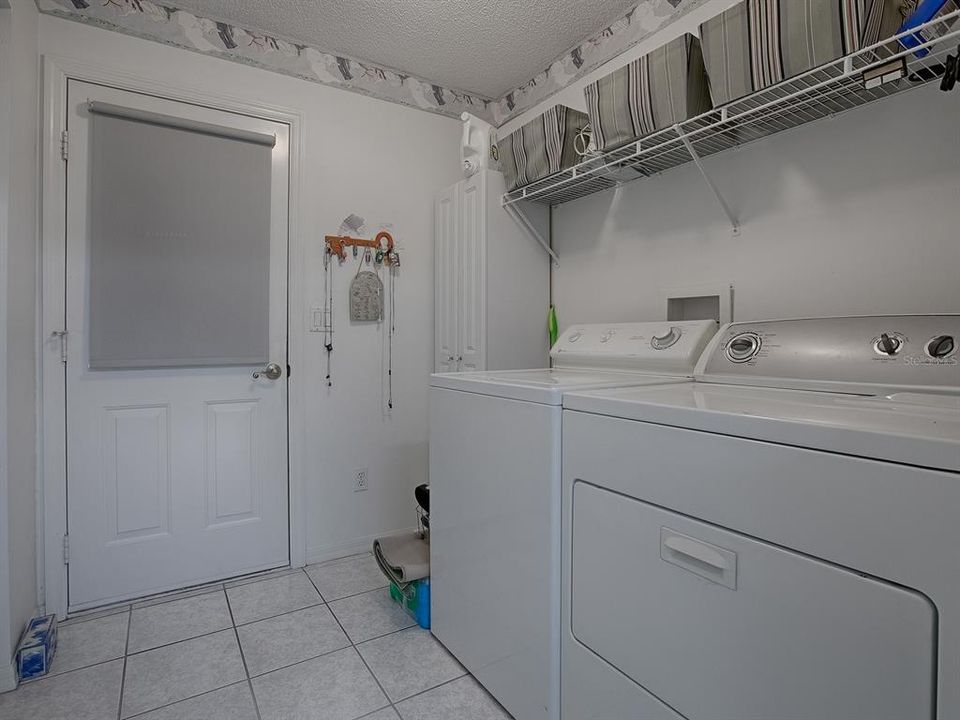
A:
<point x="328" y="324"/>
<point x="391" y="331"/>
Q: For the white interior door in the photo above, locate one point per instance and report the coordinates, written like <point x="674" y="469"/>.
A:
<point x="176" y="293"/>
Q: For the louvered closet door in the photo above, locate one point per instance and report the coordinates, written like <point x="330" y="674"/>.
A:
<point x="175" y="294"/>
<point x="446" y="224"/>
<point x="473" y="287"/>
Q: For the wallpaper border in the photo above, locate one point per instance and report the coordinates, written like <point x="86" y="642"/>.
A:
<point x="179" y="28"/>
<point x="642" y="21"/>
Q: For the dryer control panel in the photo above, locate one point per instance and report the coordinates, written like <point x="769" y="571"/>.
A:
<point x="662" y="348"/>
<point x="863" y="355"/>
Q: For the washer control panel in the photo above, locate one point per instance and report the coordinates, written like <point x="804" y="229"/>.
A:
<point x="846" y="354"/>
<point x="662" y="342"/>
<point x="670" y="348"/>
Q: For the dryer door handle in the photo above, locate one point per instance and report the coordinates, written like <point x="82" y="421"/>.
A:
<point x="696" y="550"/>
<point x="710" y="562"/>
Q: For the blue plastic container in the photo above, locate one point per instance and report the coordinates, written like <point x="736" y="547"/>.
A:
<point x="926" y="11"/>
<point x="415" y="599"/>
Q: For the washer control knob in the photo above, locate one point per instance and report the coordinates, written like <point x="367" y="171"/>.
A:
<point x="662" y="342"/>
<point x="942" y="346"/>
<point x="743" y="347"/>
<point x="888" y="344"/>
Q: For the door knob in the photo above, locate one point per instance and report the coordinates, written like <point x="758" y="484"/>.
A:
<point x="270" y="372"/>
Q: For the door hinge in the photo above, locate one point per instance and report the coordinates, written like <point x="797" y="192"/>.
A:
<point x="64" y="145"/>
<point x="61" y="335"/>
<point x="66" y="549"/>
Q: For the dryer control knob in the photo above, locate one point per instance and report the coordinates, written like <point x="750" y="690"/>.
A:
<point x="662" y="342"/>
<point x="888" y="344"/>
<point x="942" y="346"/>
<point x="743" y="347"/>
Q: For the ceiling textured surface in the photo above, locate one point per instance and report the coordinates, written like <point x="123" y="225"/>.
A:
<point x="356" y="47"/>
<point x="486" y="47"/>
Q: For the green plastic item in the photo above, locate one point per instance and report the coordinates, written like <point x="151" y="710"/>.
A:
<point x="552" y="325"/>
<point x="415" y="599"/>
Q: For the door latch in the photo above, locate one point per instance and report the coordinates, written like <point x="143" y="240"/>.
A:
<point x="61" y="335"/>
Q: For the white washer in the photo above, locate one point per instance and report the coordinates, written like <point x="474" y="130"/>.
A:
<point x="779" y="539"/>
<point x="495" y="500"/>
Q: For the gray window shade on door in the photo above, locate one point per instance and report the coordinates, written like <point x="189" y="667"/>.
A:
<point x="179" y="245"/>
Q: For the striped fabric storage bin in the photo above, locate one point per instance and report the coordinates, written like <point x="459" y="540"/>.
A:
<point x="758" y="43"/>
<point x="666" y="86"/>
<point x="541" y="147"/>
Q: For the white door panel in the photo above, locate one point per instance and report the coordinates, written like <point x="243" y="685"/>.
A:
<point x="447" y="276"/>
<point x="177" y="475"/>
<point x="473" y="281"/>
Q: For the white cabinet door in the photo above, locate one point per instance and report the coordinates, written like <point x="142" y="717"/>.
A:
<point x="473" y="288"/>
<point x="176" y="469"/>
<point x="446" y="224"/>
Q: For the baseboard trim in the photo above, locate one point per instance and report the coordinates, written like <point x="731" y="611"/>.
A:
<point x="8" y="677"/>
<point x="323" y="553"/>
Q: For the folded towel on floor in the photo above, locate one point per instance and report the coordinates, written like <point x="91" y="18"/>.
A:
<point x="403" y="558"/>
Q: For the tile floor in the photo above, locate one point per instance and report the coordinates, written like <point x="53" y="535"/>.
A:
<point x="322" y="643"/>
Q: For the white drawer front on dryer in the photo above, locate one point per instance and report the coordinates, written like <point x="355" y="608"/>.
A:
<point x="721" y="626"/>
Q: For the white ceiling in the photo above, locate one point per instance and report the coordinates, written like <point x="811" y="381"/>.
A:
<point x="487" y="47"/>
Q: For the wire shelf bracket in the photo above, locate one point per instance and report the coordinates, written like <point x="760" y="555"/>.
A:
<point x="515" y="211"/>
<point x="734" y="223"/>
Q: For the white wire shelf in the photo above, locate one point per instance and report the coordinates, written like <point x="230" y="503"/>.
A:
<point x="825" y="91"/>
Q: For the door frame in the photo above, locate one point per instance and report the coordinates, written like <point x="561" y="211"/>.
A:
<point x="52" y="438"/>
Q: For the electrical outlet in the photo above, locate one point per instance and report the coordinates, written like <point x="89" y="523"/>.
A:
<point x="360" y="480"/>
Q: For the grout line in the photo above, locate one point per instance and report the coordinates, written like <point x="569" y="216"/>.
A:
<point x="102" y="611"/>
<point x="192" y="697"/>
<point x="287" y="612"/>
<point x="310" y="580"/>
<point x="177" y="642"/>
<point x="246" y="670"/>
<point x="50" y="675"/>
<point x="392" y="632"/>
<point x="360" y="655"/>
<point x="145" y="603"/>
<point x="371" y="714"/>
<point x="301" y="662"/>
<point x="94" y="615"/>
<point x="345" y="558"/>
<point x="127" y="652"/>
<point x="262" y="577"/>
<point x="357" y="594"/>
<point x="189" y="591"/>
<point x="123" y="675"/>
<point x="439" y="685"/>
<point x="376" y="679"/>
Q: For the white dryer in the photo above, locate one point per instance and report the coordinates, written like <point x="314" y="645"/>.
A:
<point x="779" y="539"/>
<point x="495" y="499"/>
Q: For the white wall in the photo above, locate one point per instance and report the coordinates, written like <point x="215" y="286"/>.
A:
<point x="383" y="162"/>
<point x="18" y="188"/>
<point x="856" y="214"/>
